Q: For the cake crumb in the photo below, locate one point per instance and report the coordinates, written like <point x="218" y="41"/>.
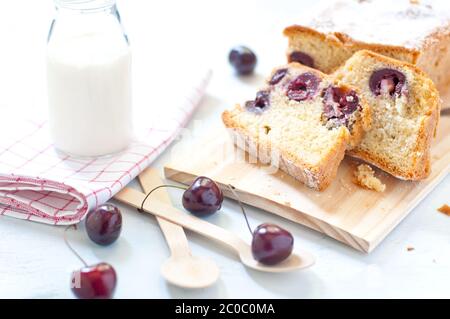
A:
<point x="365" y="178"/>
<point x="410" y="248"/>
<point x="444" y="209"/>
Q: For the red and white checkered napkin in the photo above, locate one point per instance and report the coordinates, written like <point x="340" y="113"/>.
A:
<point x="39" y="184"/>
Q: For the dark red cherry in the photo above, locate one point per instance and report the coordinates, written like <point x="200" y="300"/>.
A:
<point x="271" y="244"/>
<point x="387" y="81"/>
<point x="349" y="102"/>
<point x="203" y="197"/>
<point x="242" y="59"/>
<point x="301" y="57"/>
<point x="94" y="282"/>
<point x="339" y="104"/>
<point x="278" y="76"/>
<point x="261" y="101"/>
<point x="104" y="224"/>
<point x="303" y="87"/>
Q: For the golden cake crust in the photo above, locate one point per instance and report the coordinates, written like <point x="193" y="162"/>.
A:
<point x="344" y="44"/>
<point x="334" y="48"/>
<point x="339" y="39"/>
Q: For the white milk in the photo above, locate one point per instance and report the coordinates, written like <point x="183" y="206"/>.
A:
<point x="89" y="89"/>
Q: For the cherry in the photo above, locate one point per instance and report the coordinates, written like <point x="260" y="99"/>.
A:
<point x="349" y="102"/>
<point x="278" y="76"/>
<point x="242" y="59"/>
<point x="203" y="197"/>
<point x="104" y="224"/>
<point x="94" y="282"/>
<point x="339" y="104"/>
<point x="301" y="57"/>
<point x="261" y="101"/>
<point x="91" y="282"/>
<point x="387" y="81"/>
<point x="271" y="244"/>
<point x="303" y="87"/>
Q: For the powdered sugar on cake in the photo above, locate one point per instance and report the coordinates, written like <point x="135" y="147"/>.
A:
<point x="400" y="23"/>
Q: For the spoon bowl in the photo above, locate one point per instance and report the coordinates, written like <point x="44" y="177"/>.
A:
<point x="181" y="269"/>
<point x="190" y="271"/>
<point x="294" y="262"/>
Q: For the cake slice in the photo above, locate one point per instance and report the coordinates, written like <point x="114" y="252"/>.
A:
<point x="405" y="111"/>
<point x="417" y="32"/>
<point x="300" y="122"/>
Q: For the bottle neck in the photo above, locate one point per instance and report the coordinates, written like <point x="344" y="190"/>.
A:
<point x="84" y="6"/>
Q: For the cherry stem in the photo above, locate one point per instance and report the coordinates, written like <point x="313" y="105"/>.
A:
<point x="231" y="187"/>
<point x="141" y="209"/>
<point x="70" y="246"/>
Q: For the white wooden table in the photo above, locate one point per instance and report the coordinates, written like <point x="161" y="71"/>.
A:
<point x="34" y="262"/>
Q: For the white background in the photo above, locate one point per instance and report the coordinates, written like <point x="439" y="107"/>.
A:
<point x="179" y="36"/>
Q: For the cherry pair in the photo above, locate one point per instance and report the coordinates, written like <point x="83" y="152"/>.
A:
<point x="271" y="244"/>
<point x="92" y="282"/>
<point x="103" y="226"/>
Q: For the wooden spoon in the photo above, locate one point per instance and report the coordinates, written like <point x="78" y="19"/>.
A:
<point x="181" y="268"/>
<point x="154" y="206"/>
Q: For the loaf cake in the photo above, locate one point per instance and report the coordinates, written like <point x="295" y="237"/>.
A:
<point x="405" y="111"/>
<point x="301" y="122"/>
<point x="417" y="32"/>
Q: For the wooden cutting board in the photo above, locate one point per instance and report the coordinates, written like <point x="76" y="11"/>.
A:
<point x="357" y="217"/>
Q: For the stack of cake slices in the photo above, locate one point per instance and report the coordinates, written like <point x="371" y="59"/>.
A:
<point x="365" y="87"/>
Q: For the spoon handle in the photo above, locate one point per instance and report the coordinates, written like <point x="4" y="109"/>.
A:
<point x="160" y="209"/>
<point x="174" y="234"/>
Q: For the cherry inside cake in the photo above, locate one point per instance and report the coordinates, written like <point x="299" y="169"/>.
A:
<point x="405" y="110"/>
<point x="302" y="122"/>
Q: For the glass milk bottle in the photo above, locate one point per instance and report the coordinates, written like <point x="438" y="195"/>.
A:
<point x="89" y="79"/>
